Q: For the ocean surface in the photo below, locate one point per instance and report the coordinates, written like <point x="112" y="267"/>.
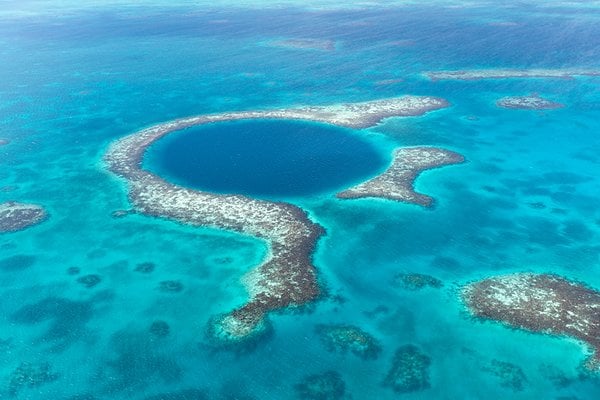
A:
<point x="302" y="158"/>
<point x="76" y="78"/>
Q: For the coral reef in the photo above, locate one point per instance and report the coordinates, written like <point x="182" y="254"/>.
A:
<point x="286" y="277"/>
<point x="90" y="280"/>
<point x="29" y="375"/>
<point x="121" y="213"/>
<point x="159" y="329"/>
<point x="227" y="332"/>
<point x="326" y="386"/>
<point x="19" y="262"/>
<point x="136" y="360"/>
<point x="17" y="216"/>
<point x="344" y="338"/>
<point x="531" y="102"/>
<point x="477" y="74"/>
<point x="64" y="320"/>
<point x="73" y="271"/>
<point x="145" y="267"/>
<point x="416" y="281"/>
<point x="543" y="303"/>
<point x="510" y="375"/>
<point x="396" y="183"/>
<point x="170" y="286"/>
<point x="409" y="371"/>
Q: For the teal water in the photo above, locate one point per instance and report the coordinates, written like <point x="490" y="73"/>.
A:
<point x="526" y="200"/>
<point x="271" y="159"/>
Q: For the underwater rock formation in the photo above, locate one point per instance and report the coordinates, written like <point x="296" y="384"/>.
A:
<point x="29" y="375"/>
<point x="90" y="280"/>
<point x="17" y="216"/>
<point x="170" y="286"/>
<point x="416" y="281"/>
<point x="531" y="102"/>
<point x="326" y="386"/>
<point x="344" y="338"/>
<point x="159" y="329"/>
<point x="396" y="183"/>
<point x="510" y="375"/>
<point x="409" y="371"/>
<point x="542" y="303"/>
<point x="286" y="277"/>
<point x="145" y="267"/>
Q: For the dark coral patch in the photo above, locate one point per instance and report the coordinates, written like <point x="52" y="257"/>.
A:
<point x="326" y="386"/>
<point x="17" y="263"/>
<point x="159" y="329"/>
<point x="510" y="375"/>
<point x="73" y="270"/>
<point x="145" y="267"/>
<point x="28" y="375"/>
<point x="137" y="360"/>
<point x="89" y="281"/>
<point x="415" y="281"/>
<point x="537" y="205"/>
<point x="170" y="286"/>
<point x="348" y="338"/>
<point x="67" y="319"/>
<point x="121" y="213"/>
<point x="409" y="371"/>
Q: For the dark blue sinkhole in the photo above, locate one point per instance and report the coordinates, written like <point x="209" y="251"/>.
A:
<point x="265" y="158"/>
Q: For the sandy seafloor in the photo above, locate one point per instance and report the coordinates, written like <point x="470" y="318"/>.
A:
<point x="527" y="200"/>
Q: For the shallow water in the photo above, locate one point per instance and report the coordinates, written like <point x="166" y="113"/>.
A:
<point x="526" y="200"/>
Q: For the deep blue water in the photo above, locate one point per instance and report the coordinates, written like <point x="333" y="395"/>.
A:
<point x="265" y="158"/>
<point x="72" y="80"/>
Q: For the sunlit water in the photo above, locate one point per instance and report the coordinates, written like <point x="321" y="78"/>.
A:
<point x="526" y="200"/>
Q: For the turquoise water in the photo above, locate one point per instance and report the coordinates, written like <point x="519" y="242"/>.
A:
<point x="301" y="158"/>
<point x="526" y="200"/>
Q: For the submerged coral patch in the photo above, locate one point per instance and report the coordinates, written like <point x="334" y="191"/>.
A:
<point x="160" y="329"/>
<point x="409" y="371"/>
<point x="30" y="376"/>
<point x="19" y="262"/>
<point x="89" y="281"/>
<point x="348" y="338"/>
<point x="65" y="320"/>
<point x="510" y="375"/>
<point x="145" y="267"/>
<point x="326" y="386"/>
<point x="416" y="281"/>
<point x="170" y="286"/>
<point x="543" y="303"/>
